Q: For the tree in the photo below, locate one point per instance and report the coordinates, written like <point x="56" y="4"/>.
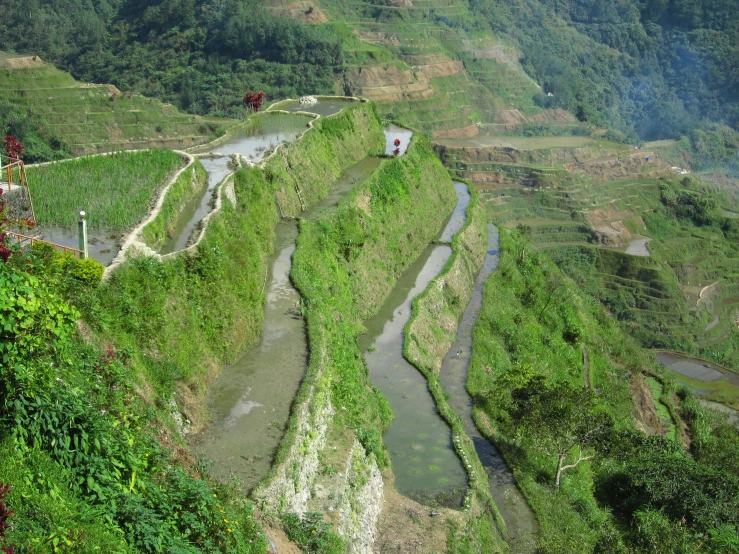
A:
<point x="13" y="148"/>
<point x="525" y="233"/>
<point x="559" y="419"/>
<point x="253" y="101"/>
<point x="554" y="291"/>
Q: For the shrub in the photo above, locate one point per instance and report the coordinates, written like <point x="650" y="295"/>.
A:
<point x="312" y="533"/>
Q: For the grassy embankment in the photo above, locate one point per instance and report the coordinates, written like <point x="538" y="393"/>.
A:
<point x="665" y="298"/>
<point x="115" y="191"/>
<point x="180" y="194"/>
<point x="347" y="263"/>
<point x="531" y="329"/>
<point x="428" y="336"/>
<point x="200" y="311"/>
<point x="163" y="329"/>
<point x="344" y="266"/>
<point x="658" y="297"/>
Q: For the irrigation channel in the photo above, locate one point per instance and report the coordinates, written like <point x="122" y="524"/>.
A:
<point x="520" y="520"/>
<point x="425" y="465"/>
<point x="251" y="399"/>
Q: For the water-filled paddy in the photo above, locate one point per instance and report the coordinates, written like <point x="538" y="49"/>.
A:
<point x="198" y="207"/>
<point x="425" y="465"/>
<point x="250" y="401"/>
<point x="520" y="520"/>
<point x="102" y="244"/>
<point x="403" y="136"/>
<point x="324" y="107"/>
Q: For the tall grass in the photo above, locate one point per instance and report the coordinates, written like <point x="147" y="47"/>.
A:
<point x="115" y="191"/>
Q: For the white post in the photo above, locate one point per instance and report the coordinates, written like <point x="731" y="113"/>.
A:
<point x="82" y="233"/>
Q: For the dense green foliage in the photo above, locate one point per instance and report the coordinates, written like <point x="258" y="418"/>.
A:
<point x="657" y="298"/>
<point x="86" y="471"/>
<point x="652" y="69"/>
<point x="41" y="143"/>
<point x="115" y="191"/>
<point x="636" y="493"/>
<point x="148" y="304"/>
<point x="316" y="161"/>
<point x="198" y="55"/>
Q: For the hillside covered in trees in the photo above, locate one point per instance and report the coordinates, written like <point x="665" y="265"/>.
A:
<point x="648" y="69"/>
<point x="198" y="55"/>
<point x="653" y="69"/>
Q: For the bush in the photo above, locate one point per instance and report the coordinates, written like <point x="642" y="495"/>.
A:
<point x="87" y="271"/>
<point x="312" y="533"/>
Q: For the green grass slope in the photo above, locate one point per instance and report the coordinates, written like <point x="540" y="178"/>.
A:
<point x="631" y="492"/>
<point x="92" y="118"/>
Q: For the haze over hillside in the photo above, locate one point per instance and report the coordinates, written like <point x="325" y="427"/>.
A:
<point x="653" y="69"/>
<point x="466" y="282"/>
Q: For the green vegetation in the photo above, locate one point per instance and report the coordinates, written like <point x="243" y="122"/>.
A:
<point x="347" y="263"/>
<point x="52" y="114"/>
<point x="318" y="159"/>
<point x="87" y="470"/>
<point x="194" y="54"/>
<point x="624" y="491"/>
<point x="183" y="190"/>
<point x="39" y="140"/>
<point x="115" y="191"/>
<point x="149" y="342"/>
<point x="661" y="404"/>
<point x="312" y="534"/>
<point x="649" y="69"/>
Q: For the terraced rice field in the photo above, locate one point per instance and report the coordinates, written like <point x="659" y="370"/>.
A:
<point x="94" y="118"/>
<point x="115" y="190"/>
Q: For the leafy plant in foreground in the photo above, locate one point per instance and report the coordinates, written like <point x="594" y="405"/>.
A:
<point x="5" y="512"/>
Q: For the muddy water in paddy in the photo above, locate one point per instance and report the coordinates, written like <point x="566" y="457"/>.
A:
<point x="638" y="247"/>
<point x="102" y="244"/>
<point x="323" y="107"/>
<point x="701" y="370"/>
<point x="425" y="464"/>
<point x="459" y="215"/>
<point x="265" y="134"/>
<point x="250" y="401"/>
<point x="393" y="132"/>
<point x="730" y="412"/>
<point x="520" y="520"/>
<point x="695" y="368"/>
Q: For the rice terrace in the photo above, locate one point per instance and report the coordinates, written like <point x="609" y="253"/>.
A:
<point x="429" y="276"/>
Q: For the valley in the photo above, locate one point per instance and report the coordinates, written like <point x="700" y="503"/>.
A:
<point x="438" y="306"/>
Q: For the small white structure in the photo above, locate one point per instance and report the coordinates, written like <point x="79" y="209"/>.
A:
<point x="308" y="101"/>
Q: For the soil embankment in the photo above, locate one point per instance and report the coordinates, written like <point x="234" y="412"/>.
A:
<point x="344" y="266"/>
